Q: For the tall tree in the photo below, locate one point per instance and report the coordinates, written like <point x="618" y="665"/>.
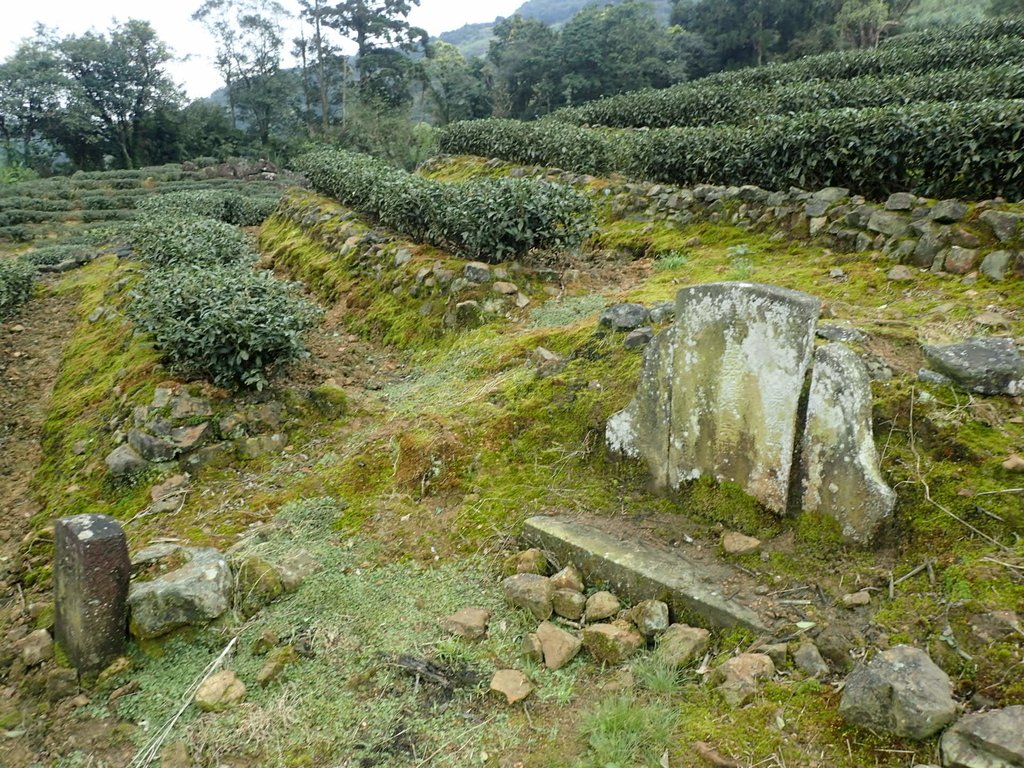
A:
<point x="524" y="67"/>
<point x="374" y="24"/>
<point x="327" y="67"/>
<point x="607" y="50"/>
<point x="455" y="87"/>
<point x="249" y="45"/>
<point x="118" y="81"/>
<point x="32" y="84"/>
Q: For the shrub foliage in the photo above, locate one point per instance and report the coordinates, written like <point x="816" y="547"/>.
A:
<point x="16" y="279"/>
<point x="490" y="219"/>
<point x="168" y="239"/>
<point x="229" y="207"/>
<point x="702" y="104"/>
<point x="938" y="150"/>
<point x="230" y="323"/>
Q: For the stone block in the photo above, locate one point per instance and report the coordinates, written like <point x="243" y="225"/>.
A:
<point x="91" y="573"/>
<point x="839" y="464"/>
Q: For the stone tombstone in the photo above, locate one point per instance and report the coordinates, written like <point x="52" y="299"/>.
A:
<point x="838" y="463"/>
<point x="719" y="392"/>
<point x="91" y="573"/>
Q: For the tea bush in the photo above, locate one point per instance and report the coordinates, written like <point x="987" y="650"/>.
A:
<point x="166" y="239"/>
<point x="232" y="324"/>
<point x="970" y="150"/>
<point x="490" y="219"/>
<point x="228" y="207"/>
<point x="700" y="104"/>
<point x="16" y="279"/>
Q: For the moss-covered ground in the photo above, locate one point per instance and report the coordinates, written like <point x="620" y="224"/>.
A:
<point x="409" y="498"/>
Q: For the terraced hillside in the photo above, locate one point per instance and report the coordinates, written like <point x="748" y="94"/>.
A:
<point x="467" y="346"/>
<point x="937" y="117"/>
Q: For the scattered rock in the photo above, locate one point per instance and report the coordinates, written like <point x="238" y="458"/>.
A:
<point x="569" y="604"/>
<point x="900" y="691"/>
<point x="1014" y="464"/>
<point x="681" y="645"/>
<point x="601" y="605"/>
<point x="198" y="592"/>
<point x="777" y="652"/>
<point x="295" y="567"/>
<point x="989" y="366"/>
<point x="857" y="599"/>
<point x="900" y="201"/>
<point x="219" y="692"/>
<point x="993" y="320"/>
<point x="35" y="648"/>
<point x="948" y="211"/>
<point x="735" y="543"/>
<point x="568" y="578"/>
<point x="505" y="288"/>
<point x="531" y="648"/>
<point x="257" y="583"/>
<point x="624" y="317"/>
<point x="986" y="740"/>
<point x="611" y="643"/>
<point x="530" y="591"/>
<point x="900" y="274"/>
<point x="641" y="337"/>
<point x="477" y="272"/>
<point x="808" y="659"/>
<point x="253" y="447"/>
<point x="124" y="461"/>
<point x="279" y="659"/>
<point x="329" y="399"/>
<point x="650" y="617"/>
<point x="841" y="333"/>
<point x="512" y="684"/>
<point x="889" y="223"/>
<point x="663" y="313"/>
<point x="61" y="683"/>
<point x="559" y="647"/>
<point x="467" y="623"/>
<point x="995" y="627"/>
<point x="738" y="677"/>
<point x="995" y="264"/>
<point x="527" y="561"/>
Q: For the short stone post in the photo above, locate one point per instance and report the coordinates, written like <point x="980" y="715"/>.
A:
<point x="91" y="573"/>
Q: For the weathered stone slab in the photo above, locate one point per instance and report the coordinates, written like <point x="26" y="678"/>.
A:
<point x="643" y="429"/>
<point x="989" y="366"/>
<point x="721" y="388"/>
<point x="640" y="572"/>
<point x="91" y="572"/>
<point x="839" y="464"/>
<point x="741" y="358"/>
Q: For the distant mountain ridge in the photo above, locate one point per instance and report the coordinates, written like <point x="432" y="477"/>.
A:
<point x="473" y="39"/>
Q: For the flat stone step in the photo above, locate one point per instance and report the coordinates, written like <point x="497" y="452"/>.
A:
<point x="638" y="571"/>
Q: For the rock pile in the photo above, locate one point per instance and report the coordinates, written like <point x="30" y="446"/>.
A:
<point x="178" y="427"/>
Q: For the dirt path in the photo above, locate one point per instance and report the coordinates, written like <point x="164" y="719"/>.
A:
<point x="31" y="348"/>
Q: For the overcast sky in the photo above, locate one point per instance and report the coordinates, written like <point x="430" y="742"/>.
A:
<point x="173" y="23"/>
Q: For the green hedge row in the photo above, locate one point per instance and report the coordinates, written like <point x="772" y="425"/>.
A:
<point x="989" y="29"/>
<point x="16" y="279"/>
<point x="491" y="220"/>
<point x="696" y="104"/>
<point x="941" y="150"/>
<point x="230" y="207"/>
<point x="912" y="59"/>
<point x="166" y="239"/>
